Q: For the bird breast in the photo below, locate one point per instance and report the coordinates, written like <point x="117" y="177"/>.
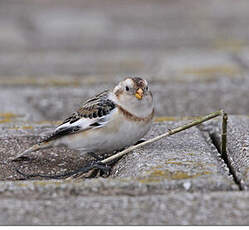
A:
<point x="118" y="133"/>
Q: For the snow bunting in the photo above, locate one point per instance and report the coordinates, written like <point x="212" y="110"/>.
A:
<point x="107" y="122"/>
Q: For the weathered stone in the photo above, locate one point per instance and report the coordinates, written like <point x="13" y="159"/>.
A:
<point x="55" y="54"/>
<point x="52" y="47"/>
<point x="197" y="99"/>
<point x="217" y="208"/>
<point x="98" y="25"/>
<point x="14" y="106"/>
<point x="237" y="146"/>
<point x="182" y="161"/>
<point x="173" y="99"/>
<point x="52" y="161"/>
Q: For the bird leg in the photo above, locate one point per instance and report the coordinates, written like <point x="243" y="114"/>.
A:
<point x="98" y="169"/>
<point x="105" y="169"/>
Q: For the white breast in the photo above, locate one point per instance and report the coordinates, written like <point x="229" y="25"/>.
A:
<point x="118" y="133"/>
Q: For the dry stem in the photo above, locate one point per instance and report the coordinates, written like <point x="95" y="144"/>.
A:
<point x="224" y="134"/>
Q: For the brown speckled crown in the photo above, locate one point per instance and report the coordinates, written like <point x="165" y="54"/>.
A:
<point x="139" y="82"/>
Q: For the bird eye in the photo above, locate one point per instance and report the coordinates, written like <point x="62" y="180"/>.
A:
<point x="127" y="88"/>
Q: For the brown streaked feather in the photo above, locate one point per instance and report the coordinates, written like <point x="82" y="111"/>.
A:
<point x="97" y="106"/>
<point x="61" y="132"/>
<point x="133" y="117"/>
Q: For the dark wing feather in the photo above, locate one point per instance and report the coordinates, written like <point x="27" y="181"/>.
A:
<point x="96" y="107"/>
<point x="62" y="132"/>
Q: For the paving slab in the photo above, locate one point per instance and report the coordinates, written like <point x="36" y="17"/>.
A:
<point x="217" y="208"/>
<point x="142" y="25"/>
<point x="184" y="162"/>
<point x="196" y="99"/>
<point x="237" y="147"/>
<point x="46" y="101"/>
<point x="16" y="137"/>
<point x="185" y="54"/>
<point x="14" y="106"/>
<point x="55" y="54"/>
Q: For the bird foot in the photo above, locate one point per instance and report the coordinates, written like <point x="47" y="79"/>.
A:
<point x="98" y="169"/>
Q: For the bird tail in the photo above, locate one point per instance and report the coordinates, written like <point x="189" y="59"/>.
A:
<point x="33" y="148"/>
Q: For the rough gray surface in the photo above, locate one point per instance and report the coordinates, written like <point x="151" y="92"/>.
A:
<point x="53" y="161"/>
<point x="56" y="53"/>
<point x="183" y="161"/>
<point x="60" y="50"/>
<point x="218" y="208"/>
<point x="237" y="147"/>
<point x="174" y="99"/>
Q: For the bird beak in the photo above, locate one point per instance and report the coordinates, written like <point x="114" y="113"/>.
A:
<point x="139" y="94"/>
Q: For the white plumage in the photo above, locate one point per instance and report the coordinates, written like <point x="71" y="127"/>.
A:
<point x="110" y="121"/>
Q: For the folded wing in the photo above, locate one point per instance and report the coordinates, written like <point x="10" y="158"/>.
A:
<point x="93" y="114"/>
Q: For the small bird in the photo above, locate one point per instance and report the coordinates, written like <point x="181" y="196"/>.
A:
<point x="110" y="121"/>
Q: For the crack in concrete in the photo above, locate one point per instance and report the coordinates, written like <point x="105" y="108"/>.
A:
<point x="214" y="139"/>
<point x="227" y="160"/>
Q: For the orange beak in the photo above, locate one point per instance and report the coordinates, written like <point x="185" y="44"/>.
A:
<point x="139" y="94"/>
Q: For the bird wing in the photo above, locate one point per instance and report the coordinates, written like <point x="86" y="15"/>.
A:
<point x="94" y="113"/>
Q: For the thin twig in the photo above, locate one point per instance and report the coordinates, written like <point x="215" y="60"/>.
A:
<point x="224" y="134"/>
<point x="169" y="133"/>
